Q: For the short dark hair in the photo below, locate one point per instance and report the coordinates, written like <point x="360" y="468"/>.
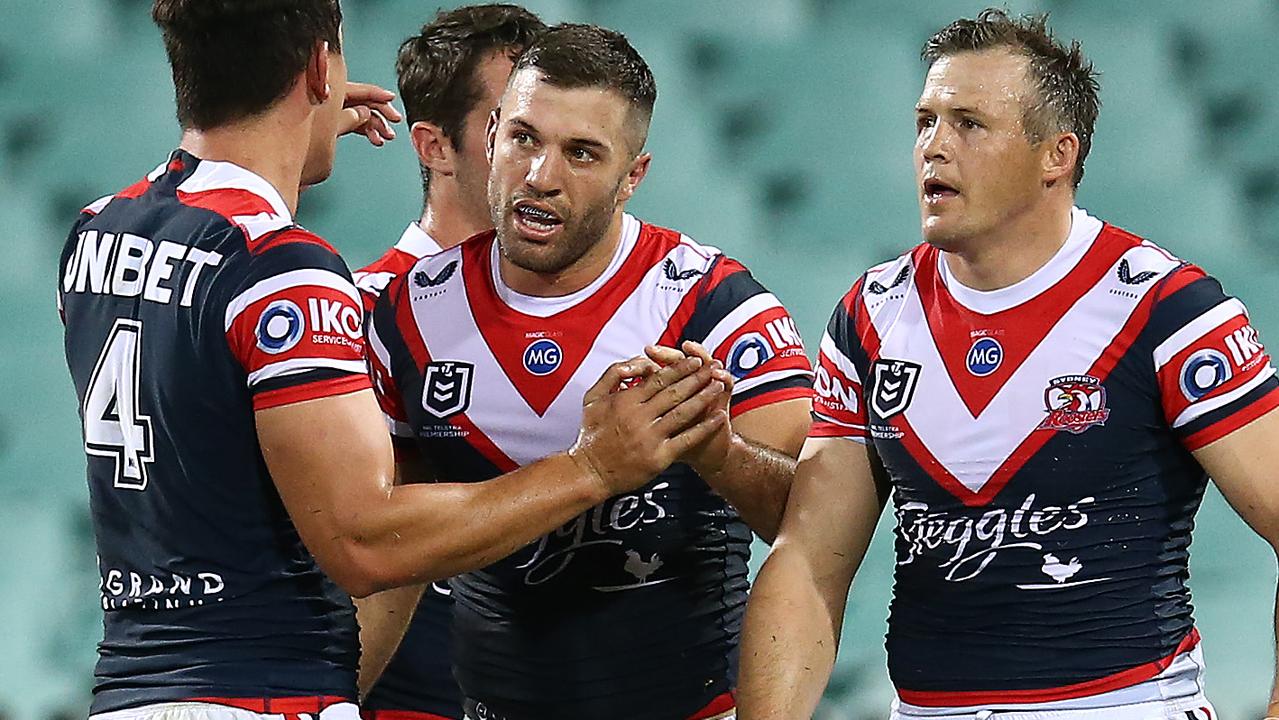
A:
<point x="436" y="67"/>
<point x="233" y="59"/>
<point x="1067" y="92"/>
<point x="579" y="56"/>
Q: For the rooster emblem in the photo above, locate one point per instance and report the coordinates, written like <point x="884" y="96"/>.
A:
<point x="1054" y="568"/>
<point x="640" y="568"/>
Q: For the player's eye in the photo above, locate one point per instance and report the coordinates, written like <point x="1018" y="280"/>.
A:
<point x="923" y="122"/>
<point x="968" y="123"/>
<point x="522" y="138"/>
<point x="581" y="154"/>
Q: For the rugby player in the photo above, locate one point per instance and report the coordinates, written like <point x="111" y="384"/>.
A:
<point x="1044" y="396"/>
<point x="483" y="352"/>
<point x="240" y="478"/>
<point x="451" y="76"/>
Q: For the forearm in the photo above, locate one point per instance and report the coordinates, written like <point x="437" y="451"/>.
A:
<point x="790" y="640"/>
<point x="426" y="532"/>
<point x="755" y="480"/>
<point x="383" y="618"/>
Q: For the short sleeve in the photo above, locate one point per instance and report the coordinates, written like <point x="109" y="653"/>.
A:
<point x="383" y="334"/>
<point x="748" y="329"/>
<point x="295" y="323"/>
<point x="838" y="409"/>
<point x="1213" y="372"/>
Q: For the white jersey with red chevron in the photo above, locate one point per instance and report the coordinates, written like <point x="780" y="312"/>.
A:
<point x="1038" y="439"/>
<point x="486" y="380"/>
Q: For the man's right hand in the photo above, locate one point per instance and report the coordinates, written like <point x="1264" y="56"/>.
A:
<point x="628" y="436"/>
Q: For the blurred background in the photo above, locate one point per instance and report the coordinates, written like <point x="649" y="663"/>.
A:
<point x="782" y="133"/>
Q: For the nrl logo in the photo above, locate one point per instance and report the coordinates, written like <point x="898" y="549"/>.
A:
<point x="1074" y="403"/>
<point x="446" y="387"/>
<point x="894" y="386"/>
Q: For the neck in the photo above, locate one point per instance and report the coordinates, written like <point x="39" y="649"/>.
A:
<point x="1013" y="252"/>
<point x="264" y="145"/>
<point x="575" y="277"/>
<point x="446" y="218"/>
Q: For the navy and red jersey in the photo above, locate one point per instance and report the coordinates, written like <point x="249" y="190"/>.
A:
<point x="1038" y="439"/>
<point x="633" y="609"/>
<point x="190" y="301"/>
<point x="419" y="677"/>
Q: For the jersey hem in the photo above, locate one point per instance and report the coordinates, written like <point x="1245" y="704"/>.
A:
<point x="1117" y="681"/>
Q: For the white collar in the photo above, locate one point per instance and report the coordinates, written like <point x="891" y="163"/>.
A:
<point x="417" y="242"/>
<point x="1084" y="228"/>
<point x="548" y="306"/>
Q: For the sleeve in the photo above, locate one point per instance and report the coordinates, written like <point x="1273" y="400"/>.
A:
<point x="838" y="410"/>
<point x="295" y="324"/>
<point x="383" y="334"/>
<point x="1213" y="373"/>
<point x="746" y="327"/>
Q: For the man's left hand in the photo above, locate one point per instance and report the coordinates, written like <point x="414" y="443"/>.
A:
<point x="707" y="458"/>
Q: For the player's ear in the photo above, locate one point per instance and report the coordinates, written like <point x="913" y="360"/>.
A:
<point x="316" y="74"/>
<point x="434" y="149"/>
<point x="490" y="133"/>
<point x="634" y="176"/>
<point x="1060" y="156"/>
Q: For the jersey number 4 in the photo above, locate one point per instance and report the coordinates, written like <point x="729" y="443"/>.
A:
<point x="114" y="426"/>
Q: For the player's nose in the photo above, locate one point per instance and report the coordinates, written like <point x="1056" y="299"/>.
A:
<point x="544" y="173"/>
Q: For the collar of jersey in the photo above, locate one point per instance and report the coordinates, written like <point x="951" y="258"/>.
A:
<point x="548" y="306"/>
<point x="1084" y="228"/>
<point x="220" y="175"/>
<point x="417" y="242"/>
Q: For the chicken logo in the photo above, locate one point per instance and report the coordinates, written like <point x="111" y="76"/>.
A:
<point x="1059" y="572"/>
<point x="1074" y="403"/>
<point x="640" y="568"/>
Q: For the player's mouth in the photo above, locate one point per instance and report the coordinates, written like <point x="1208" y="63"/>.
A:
<point x="536" y="221"/>
<point x="936" y="192"/>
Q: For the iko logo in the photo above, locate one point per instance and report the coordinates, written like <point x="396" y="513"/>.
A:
<point x="985" y="356"/>
<point x="1204" y="371"/>
<point x="279" y="327"/>
<point x="1243" y="344"/>
<point x="748" y="352"/>
<point x="543" y="357"/>
<point x="333" y="317"/>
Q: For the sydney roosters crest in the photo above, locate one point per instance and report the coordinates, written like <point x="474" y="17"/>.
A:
<point x="1074" y="403"/>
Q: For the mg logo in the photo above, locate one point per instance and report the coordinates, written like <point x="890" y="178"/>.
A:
<point x="543" y="357"/>
<point x="985" y="356"/>
<point x="446" y="387"/>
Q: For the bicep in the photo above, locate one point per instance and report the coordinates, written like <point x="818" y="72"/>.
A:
<point x="781" y="426"/>
<point x="1245" y="466"/>
<point x="329" y="458"/>
<point x="835" y="503"/>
